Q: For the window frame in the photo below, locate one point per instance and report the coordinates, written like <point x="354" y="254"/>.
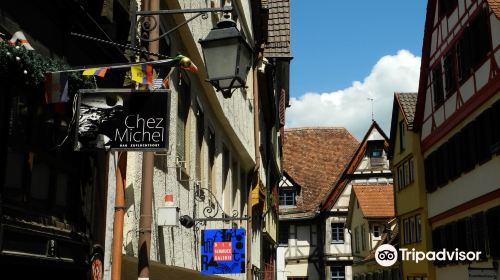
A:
<point x="339" y="232"/>
<point x="283" y="198"/>
<point x="339" y="271"/>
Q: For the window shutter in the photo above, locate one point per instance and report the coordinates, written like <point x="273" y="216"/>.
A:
<point x="479" y="233"/>
<point x="282" y="107"/>
<point x="496" y="126"/>
<point x="493" y="225"/>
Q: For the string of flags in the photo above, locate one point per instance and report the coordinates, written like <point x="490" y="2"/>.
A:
<point x="56" y="83"/>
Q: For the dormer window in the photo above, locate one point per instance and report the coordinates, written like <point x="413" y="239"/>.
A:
<point x="375" y="151"/>
<point x="287" y="197"/>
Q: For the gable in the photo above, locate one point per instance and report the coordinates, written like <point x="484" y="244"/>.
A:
<point x="457" y="65"/>
<point x="360" y="163"/>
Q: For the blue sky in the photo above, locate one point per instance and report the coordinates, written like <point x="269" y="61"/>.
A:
<point x="348" y="51"/>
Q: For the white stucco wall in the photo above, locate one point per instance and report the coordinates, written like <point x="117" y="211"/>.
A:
<point x="232" y="123"/>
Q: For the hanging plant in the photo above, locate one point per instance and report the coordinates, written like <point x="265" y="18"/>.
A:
<point x="24" y="67"/>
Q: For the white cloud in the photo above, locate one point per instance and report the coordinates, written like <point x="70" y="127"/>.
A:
<point x="350" y="107"/>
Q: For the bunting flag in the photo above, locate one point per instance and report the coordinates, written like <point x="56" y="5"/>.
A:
<point x="56" y="87"/>
<point x="21" y="38"/>
<point x="142" y="74"/>
<point x="101" y="72"/>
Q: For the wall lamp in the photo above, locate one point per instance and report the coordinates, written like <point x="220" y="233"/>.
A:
<point x="226" y="52"/>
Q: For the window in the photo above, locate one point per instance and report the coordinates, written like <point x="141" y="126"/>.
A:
<point x="418" y="228"/>
<point x="446" y="7"/>
<point x="412" y="230"/>
<point x="356" y="237"/>
<point x="363" y="237"/>
<point x="405" y="174"/>
<point x="437" y="85"/>
<point x="337" y="233"/>
<point x="235" y="189"/>
<point x="337" y="273"/>
<point x="478" y="232"/>
<point x="376" y="232"/>
<point x="376" y="153"/>
<point x="406" y="228"/>
<point x="284" y="233"/>
<point x="410" y="166"/>
<point x="211" y="160"/>
<point x="493" y="224"/>
<point x="450" y="72"/>
<point x="244" y="192"/>
<point x="402" y="133"/>
<point x="287" y="197"/>
<point x="182" y="122"/>
<point x="226" y="182"/>
<point x="200" y="131"/>
<point x="470" y="51"/>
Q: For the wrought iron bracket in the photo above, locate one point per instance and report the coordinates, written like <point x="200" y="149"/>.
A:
<point x="148" y="21"/>
<point x="210" y="211"/>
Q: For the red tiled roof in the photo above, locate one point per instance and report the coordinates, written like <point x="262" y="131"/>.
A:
<point x="315" y="158"/>
<point x="495" y="7"/>
<point x="375" y="201"/>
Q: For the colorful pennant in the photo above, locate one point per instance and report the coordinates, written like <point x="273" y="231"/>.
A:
<point x="142" y="74"/>
<point x="101" y="72"/>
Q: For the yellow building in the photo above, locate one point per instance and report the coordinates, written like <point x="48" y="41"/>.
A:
<point x="409" y="188"/>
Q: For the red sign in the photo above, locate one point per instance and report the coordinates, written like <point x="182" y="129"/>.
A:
<point x="223" y="251"/>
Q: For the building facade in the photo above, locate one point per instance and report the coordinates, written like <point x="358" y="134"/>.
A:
<point x="224" y="153"/>
<point x="457" y="115"/>
<point x="223" y="158"/>
<point x="53" y="200"/>
<point x="409" y="185"/>
<point x="369" y="166"/>
<point x="314" y="159"/>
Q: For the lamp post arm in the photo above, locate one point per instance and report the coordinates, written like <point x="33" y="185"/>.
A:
<point x="244" y="218"/>
<point x="225" y="9"/>
<point x="146" y="25"/>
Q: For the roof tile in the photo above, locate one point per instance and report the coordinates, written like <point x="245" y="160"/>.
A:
<point x="375" y="201"/>
<point x="279" y="20"/>
<point x="407" y="102"/>
<point x="315" y="158"/>
<point x="495" y="7"/>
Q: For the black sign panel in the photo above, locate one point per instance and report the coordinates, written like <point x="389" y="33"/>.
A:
<point x="122" y="119"/>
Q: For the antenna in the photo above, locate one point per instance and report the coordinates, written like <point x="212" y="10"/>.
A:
<point x="371" y="99"/>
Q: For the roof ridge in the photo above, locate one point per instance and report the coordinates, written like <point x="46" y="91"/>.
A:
<point x="316" y="128"/>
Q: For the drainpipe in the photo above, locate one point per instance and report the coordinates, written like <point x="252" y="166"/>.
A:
<point x="116" y="264"/>
<point x="256" y="169"/>
<point x="147" y="173"/>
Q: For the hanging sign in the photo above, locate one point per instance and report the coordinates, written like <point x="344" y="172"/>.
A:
<point x="223" y="251"/>
<point x="122" y="119"/>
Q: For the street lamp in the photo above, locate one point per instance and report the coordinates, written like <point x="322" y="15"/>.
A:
<point x="227" y="56"/>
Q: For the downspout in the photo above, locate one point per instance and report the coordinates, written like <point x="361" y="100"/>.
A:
<point x="121" y="167"/>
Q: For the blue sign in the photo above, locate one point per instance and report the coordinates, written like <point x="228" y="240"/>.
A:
<point x="223" y="251"/>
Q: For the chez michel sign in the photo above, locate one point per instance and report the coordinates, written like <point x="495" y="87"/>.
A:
<point x="122" y="119"/>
